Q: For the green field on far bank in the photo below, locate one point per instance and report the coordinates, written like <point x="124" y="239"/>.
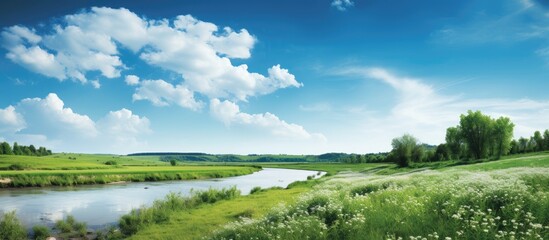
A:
<point x="78" y="169"/>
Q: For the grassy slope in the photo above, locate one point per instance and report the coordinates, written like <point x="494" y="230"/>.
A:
<point x="197" y="223"/>
<point x="207" y="218"/>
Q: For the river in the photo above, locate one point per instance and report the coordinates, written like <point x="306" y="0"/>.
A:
<point x="101" y="205"/>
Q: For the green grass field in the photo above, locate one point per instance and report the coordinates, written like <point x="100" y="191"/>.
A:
<point x="78" y="169"/>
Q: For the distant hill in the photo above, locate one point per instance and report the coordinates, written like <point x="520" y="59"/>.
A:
<point x="205" y="157"/>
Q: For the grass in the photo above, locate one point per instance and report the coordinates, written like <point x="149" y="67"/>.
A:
<point x="196" y="223"/>
<point x="330" y="168"/>
<point x="376" y="206"/>
<point x="161" y="210"/>
<point x="68" y="161"/>
<point x="454" y="204"/>
<point x="39" y="178"/>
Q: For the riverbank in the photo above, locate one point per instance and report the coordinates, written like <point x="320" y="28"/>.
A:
<point x="42" y="178"/>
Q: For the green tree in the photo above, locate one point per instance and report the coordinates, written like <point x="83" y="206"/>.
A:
<point x="441" y="153"/>
<point x="403" y="149"/>
<point x="6" y="148"/>
<point x="454" y="141"/>
<point x="514" y="147"/>
<point x="173" y="162"/>
<point x="522" y="145"/>
<point x="17" y="149"/>
<point x="546" y="140"/>
<point x="476" y="129"/>
<point x="32" y="149"/>
<point x="539" y="141"/>
<point x="502" y="135"/>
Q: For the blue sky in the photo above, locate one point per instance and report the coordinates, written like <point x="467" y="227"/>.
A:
<point x="299" y="77"/>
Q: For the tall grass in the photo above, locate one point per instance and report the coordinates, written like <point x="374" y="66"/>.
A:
<point x="11" y="228"/>
<point x="504" y="204"/>
<point x="161" y="209"/>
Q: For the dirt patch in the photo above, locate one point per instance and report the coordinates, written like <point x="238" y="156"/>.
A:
<point x="5" y="180"/>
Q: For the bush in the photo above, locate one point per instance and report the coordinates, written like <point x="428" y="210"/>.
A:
<point x="11" y="228"/>
<point x="17" y="166"/>
<point x="71" y="227"/>
<point x="173" y="162"/>
<point x="255" y="190"/>
<point x="40" y="232"/>
<point x="111" y="162"/>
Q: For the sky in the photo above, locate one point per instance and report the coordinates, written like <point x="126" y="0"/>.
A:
<point x="282" y="77"/>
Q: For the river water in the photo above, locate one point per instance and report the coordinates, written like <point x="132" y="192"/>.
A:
<point x="100" y="205"/>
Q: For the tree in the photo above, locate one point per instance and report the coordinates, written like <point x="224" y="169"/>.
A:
<point x="403" y="149"/>
<point x="522" y="145"/>
<point x="454" y="141"/>
<point x="502" y="135"/>
<point x="514" y="147"/>
<point x="546" y="140"/>
<point x="6" y="148"/>
<point x="32" y="149"/>
<point x="441" y="153"/>
<point x="173" y="162"/>
<point x="539" y="141"/>
<point x="476" y="130"/>
<point x="17" y="149"/>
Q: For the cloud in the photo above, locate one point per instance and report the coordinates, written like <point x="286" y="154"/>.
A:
<point x="193" y="49"/>
<point x="95" y="84"/>
<point x="162" y="93"/>
<point x="123" y="126"/>
<point x="132" y="80"/>
<point x="511" y="21"/>
<point x="48" y="122"/>
<point x="48" y="116"/>
<point x="425" y="112"/>
<point x="342" y="5"/>
<point x="200" y="52"/>
<point x="230" y="113"/>
<point x="10" y="120"/>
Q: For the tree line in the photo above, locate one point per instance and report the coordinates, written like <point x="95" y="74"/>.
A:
<point x="477" y="136"/>
<point x="31" y="150"/>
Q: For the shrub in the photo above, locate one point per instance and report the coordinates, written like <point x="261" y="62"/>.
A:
<point x="40" y="232"/>
<point x="17" y="166"/>
<point x="173" y="162"/>
<point x="111" y="162"/>
<point x="255" y="190"/>
<point x="11" y="228"/>
<point x="63" y="226"/>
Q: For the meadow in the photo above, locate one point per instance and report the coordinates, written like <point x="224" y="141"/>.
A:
<point x="497" y="200"/>
<point x="78" y="169"/>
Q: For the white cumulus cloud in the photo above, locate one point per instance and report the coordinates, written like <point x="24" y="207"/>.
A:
<point x="230" y="113"/>
<point x="162" y="93"/>
<point x="10" y="120"/>
<point x="132" y="80"/>
<point x="48" y="122"/>
<point x="200" y="52"/>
